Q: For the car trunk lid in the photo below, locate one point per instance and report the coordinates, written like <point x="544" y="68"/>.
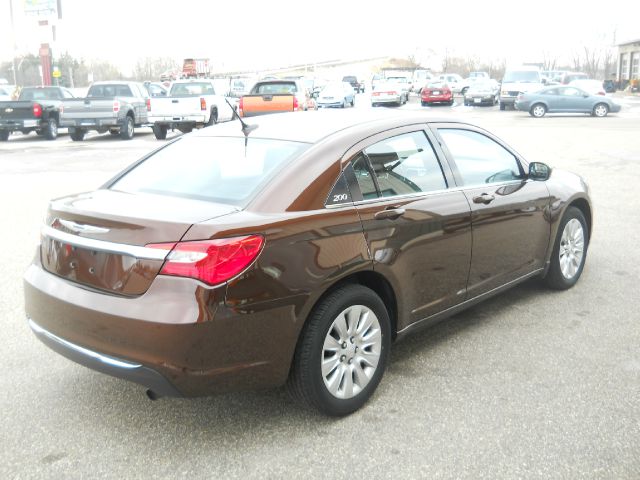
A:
<point x="99" y="239"/>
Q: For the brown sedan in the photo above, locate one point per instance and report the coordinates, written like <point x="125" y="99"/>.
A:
<point x="297" y="253"/>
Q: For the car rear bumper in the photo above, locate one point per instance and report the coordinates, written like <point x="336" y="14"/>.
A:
<point x="22" y="124"/>
<point x="90" y="123"/>
<point x="177" y="119"/>
<point x="178" y="337"/>
<point x="437" y="98"/>
<point x="507" y="100"/>
<point x="115" y="367"/>
<point x="396" y="99"/>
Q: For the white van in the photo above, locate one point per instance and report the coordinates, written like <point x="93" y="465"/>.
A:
<point x="519" y="80"/>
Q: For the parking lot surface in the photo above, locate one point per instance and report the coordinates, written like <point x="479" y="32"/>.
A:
<point x="530" y="384"/>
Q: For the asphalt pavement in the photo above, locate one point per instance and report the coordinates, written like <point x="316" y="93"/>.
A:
<point x="531" y="384"/>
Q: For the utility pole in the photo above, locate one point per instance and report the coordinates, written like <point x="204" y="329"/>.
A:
<point x="13" y="31"/>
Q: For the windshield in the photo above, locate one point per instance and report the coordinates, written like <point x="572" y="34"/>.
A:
<point x="275" y="88"/>
<point x="216" y="169"/>
<point x="521" y="76"/>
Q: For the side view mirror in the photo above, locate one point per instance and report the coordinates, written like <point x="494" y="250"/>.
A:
<point x="539" y="171"/>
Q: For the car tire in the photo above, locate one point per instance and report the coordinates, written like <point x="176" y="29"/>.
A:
<point x="344" y="103"/>
<point x="4" y="135"/>
<point x="51" y="131"/>
<point x="342" y="351"/>
<point x="160" y="131"/>
<point x="213" y="118"/>
<point x="424" y="104"/>
<point x="464" y="90"/>
<point x="77" y="135"/>
<point x="601" y="110"/>
<point x="353" y="102"/>
<point x="569" y="250"/>
<point x="466" y="104"/>
<point x="538" y="110"/>
<point x="502" y="106"/>
<point x="373" y="105"/>
<point x="127" y="130"/>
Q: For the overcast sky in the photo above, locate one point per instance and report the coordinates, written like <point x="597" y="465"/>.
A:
<point x="262" y="34"/>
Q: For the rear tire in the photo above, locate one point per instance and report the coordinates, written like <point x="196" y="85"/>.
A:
<point x="342" y="351"/>
<point x="569" y="251"/>
<point x="51" y="131"/>
<point x="502" y="106"/>
<point x="213" y="118"/>
<point x="160" y="131"/>
<point x="538" y="110"/>
<point x="77" y="135"/>
<point x="127" y="129"/>
<point x="4" y="135"/>
<point x="424" y="104"/>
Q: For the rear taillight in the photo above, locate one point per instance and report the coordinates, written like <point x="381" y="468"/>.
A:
<point x="37" y="110"/>
<point x="116" y="106"/>
<point x="601" y="93"/>
<point x="203" y="104"/>
<point x="375" y="94"/>
<point x="210" y="261"/>
<point x="296" y="105"/>
<point x="240" y="107"/>
<point x="148" y="102"/>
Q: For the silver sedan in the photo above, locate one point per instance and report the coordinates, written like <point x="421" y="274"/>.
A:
<point x="566" y="99"/>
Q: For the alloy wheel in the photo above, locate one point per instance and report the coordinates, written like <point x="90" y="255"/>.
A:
<point x="351" y="351"/>
<point x="571" y="248"/>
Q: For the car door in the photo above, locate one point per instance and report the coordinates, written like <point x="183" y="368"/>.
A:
<point x="418" y="229"/>
<point x="510" y="224"/>
<point x="551" y="98"/>
<point x="573" y="100"/>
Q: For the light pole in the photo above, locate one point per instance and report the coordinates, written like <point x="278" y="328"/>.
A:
<point x="13" y="55"/>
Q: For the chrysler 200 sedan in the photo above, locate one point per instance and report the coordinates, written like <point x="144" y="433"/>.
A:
<point x="296" y="253"/>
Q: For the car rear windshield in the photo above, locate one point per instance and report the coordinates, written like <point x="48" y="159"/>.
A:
<point x="275" y="88"/>
<point x="191" y="89"/>
<point x="111" y="90"/>
<point x="522" y="76"/>
<point x="216" y="169"/>
<point x="40" y="94"/>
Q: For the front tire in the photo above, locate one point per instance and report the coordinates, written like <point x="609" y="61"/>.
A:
<point x="342" y="352"/>
<point x="601" y="110"/>
<point x="569" y="251"/>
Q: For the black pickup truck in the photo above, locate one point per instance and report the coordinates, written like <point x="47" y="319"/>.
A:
<point x="37" y="109"/>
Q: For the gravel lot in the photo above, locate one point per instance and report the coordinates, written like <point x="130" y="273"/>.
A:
<point x="532" y="384"/>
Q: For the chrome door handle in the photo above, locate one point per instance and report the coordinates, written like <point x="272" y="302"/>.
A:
<point x="389" y="213"/>
<point x="485" y="198"/>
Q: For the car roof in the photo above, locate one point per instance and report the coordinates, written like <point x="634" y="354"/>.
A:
<point x="313" y="126"/>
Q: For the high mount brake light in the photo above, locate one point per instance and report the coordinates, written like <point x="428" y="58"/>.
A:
<point x="210" y="261"/>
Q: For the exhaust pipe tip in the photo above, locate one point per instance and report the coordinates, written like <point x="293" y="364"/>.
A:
<point x="152" y="395"/>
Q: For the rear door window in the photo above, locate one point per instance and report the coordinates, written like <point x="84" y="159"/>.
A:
<point x="400" y="165"/>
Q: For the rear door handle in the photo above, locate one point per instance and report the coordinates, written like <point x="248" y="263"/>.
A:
<point x="389" y="213"/>
<point x="485" y="198"/>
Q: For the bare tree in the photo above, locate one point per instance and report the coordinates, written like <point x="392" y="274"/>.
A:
<point x="150" y="68"/>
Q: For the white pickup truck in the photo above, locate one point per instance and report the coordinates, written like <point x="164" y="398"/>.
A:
<point x="190" y="104"/>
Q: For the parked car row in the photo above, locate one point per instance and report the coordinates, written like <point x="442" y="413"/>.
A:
<point x="117" y="107"/>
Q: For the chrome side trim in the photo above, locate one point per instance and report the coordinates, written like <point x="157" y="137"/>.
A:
<point x="113" y="362"/>
<point x="104" y="246"/>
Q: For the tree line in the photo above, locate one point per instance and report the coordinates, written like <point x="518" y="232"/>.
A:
<point x="79" y="72"/>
